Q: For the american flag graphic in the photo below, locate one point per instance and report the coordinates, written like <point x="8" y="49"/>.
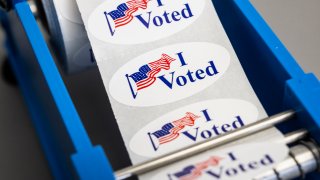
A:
<point x="170" y="131"/>
<point x="124" y="12"/>
<point x="146" y="75"/>
<point x="195" y="171"/>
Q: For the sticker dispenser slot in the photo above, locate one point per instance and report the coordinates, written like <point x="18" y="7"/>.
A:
<point x="275" y="76"/>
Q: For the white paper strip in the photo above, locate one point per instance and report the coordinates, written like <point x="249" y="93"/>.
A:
<point x="171" y="74"/>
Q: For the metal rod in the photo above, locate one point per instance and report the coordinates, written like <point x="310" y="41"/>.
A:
<point x="295" y="136"/>
<point x="34" y="8"/>
<point x="204" y="146"/>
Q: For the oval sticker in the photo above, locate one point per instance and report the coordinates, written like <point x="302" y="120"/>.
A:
<point x="192" y="124"/>
<point x="141" y="21"/>
<point x="238" y="162"/>
<point x="169" y="74"/>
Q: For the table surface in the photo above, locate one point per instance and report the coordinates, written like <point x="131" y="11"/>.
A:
<point x="296" y="22"/>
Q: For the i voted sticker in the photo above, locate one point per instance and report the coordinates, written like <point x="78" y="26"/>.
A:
<point x="141" y="21"/>
<point x="169" y="74"/>
<point x="239" y="162"/>
<point x="192" y="124"/>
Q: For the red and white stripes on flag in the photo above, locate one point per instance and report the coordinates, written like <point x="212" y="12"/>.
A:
<point x="197" y="171"/>
<point x="133" y="6"/>
<point x="156" y="66"/>
<point x="179" y="124"/>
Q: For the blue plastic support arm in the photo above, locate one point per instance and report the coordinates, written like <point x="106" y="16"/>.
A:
<point x="90" y="162"/>
<point x="302" y="91"/>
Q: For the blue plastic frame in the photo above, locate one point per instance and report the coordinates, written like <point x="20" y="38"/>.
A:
<point x="87" y="161"/>
<point x="67" y="145"/>
<point x="279" y="75"/>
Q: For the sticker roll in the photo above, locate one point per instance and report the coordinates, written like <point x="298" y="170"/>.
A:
<point x="68" y="35"/>
<point x="243" y="161"/>
<point x="171" y="73"/>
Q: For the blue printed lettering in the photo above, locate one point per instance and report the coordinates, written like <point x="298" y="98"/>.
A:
<point x="211" y="70"/>
<point x="166" y="17"/>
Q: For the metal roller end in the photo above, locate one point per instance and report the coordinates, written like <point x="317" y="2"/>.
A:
<point x="303" y="159"/>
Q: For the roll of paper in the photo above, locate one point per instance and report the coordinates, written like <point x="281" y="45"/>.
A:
<point x="171" y="74"/>
<point x="68" y="34"/>
<point x="243" y="161"/>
